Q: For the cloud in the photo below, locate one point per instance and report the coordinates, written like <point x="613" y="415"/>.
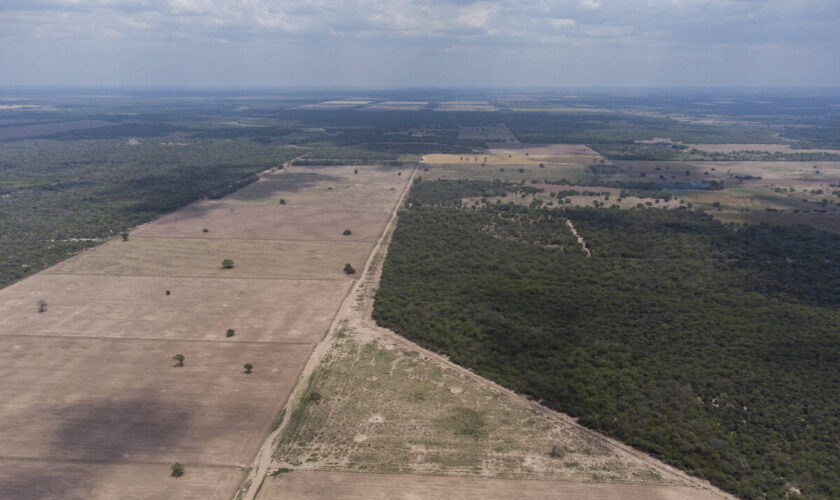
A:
<point x="434" y="30"/>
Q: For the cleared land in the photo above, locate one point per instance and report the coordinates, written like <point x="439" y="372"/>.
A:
<point x="305" y="485"/>
<point x="466" y="106"/>
<point x="92" y="404"/>
<point x="266" y="222"/>
<point x="115" y="400"/>
<point x="203" y="257"/>
<point x="138" y="307"/>
<point x="50" y="480"/>
<point x="513" y="163"/>
<point x="398" y="105"/>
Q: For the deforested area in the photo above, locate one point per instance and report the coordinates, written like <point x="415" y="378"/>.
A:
<point x="711" y="346"/>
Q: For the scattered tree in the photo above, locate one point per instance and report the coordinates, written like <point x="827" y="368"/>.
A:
<point x="230" y="332"/>
<point x="205" y="230"/>
<point x="282" y="201"/>
<point x="349" y="269"/>
<point x="168" y="292"/>
<point x="177" y="470"/>
<point x="227" y="264"/>
<point x="179" y="358"/>
<point x="124" y="236"/>
<point x="347" y="232"/>
<point x="248" y="368"/>
<point x="42" y="305"/>
<point x="355" y="170"/>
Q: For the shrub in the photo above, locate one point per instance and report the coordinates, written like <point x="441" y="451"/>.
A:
<point x="248" y="367"/>
<point x="177" y="470"/>
<point x="227" y="264"/>
<point x="349" y="269"/>
<point x="230" y="332"/>
<point x="179" y="358"/>
<point x="347" y="232"/>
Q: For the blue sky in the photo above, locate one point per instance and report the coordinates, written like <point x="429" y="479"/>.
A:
<point x="432" y="43"/>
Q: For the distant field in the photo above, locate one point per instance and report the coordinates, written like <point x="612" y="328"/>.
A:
<point x="44" y="129"/>
<point x="398" y="105"/>
<point x="466" y="106"/>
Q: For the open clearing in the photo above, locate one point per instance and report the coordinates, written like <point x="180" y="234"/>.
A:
<point x="398" y="106"/>
<point x="50" y="480"/>
<point x="266" y="222"/>
<point x="769" y="148"/>
<point x="203" y="257"/>
<point x="138" y="307"/>
<point x="92" y="404"/>
<point x="115" y="400"/>
<point x="306" y="485"/>
<point x="466" y="106"/>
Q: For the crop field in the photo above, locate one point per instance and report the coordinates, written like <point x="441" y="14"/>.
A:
<point x="138" y="307"/>
<point x="312" y="485"/>
<point x="466" y="106"/>
<point x="94" y="405"/>
<point x="123" y="400"/>
<point x="197" y="257"/>
<point x="52" y="480"/>
<point x="398" y="105"/>
<point x="513" y="163"/>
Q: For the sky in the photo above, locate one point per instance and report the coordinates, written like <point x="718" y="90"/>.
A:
<point x="386" y="44"/>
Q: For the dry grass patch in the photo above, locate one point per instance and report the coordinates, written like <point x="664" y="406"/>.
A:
<point x="374" y="406"/>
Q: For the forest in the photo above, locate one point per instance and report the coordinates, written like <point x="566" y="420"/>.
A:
<point x="712" y="348"/>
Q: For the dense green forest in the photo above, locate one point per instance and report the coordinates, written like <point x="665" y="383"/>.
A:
<point x="713" y="349"/>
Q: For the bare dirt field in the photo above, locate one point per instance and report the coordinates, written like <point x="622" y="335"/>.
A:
<point x="203" y="258"/>
<point x="305" y="485"/>
<point x="48" y="480"/>
<point x="466" y="106"/>
<point x="92" y="404"/>
<point x="398" y="105"/>
<point x="116" y="400"/>
<point x="138" y="307"/>
<point x="267" y="222"/>
<point x="770" y="148"/>
<point x="374" y="189"/>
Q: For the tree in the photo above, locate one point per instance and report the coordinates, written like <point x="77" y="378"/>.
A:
<point x="349" y="269"/>
<point x="227" y="264"/>
<point x="230" y="332"/>
<point x="282" y="201"/>
<point x="355" y="170"/>
<point x="42" y="305"/>
<point x="347" y="232"/>
<point x="124" y="236"/>
<point x="180" y="359"/>
<point x="248" y="367"/>
<point x="177" y="470"/>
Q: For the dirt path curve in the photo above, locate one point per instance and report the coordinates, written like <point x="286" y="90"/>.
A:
<point x="262" y="463"/>
<point x="580" y="239"/>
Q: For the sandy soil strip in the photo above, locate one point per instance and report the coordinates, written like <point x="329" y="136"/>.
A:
<point x="580" y="239"/>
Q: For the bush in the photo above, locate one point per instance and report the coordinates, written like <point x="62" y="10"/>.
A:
<point x="347" y="232"/>
<point x="349" y="269"/>
<point x="230" y="332"/>
<point x="227" y="264"/>
<point x="177" y="470"/>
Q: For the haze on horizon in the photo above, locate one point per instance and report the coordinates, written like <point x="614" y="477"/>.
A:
<point x="431" y="43"/>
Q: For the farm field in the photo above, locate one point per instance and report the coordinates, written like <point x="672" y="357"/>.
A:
<point x="202" y="257"/>
<point x="93" y="401"/>
<point x="311" y="485"/>
<point x="137" y="307"/>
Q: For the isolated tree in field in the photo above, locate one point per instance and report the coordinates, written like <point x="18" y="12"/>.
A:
<point x="124" y="236"/>
<point x="349" y="269"/>
<point x="248" y="368"/>
<point x="227" y="264"/>
<point x="42" y="306"/>
<point x="179" y="358"/>
<point x="355" y="170"/>
<point x="177" y="470"/>
<point x="347" y="232"/>
<point x="230" y="332"/>
<point x="282" y="201"/>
